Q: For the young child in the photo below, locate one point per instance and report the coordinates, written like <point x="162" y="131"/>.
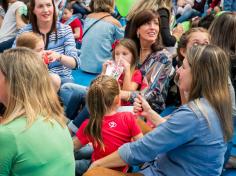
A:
<point x="74" y="22"/>
<point x="106" y="129"/>
<point x="125" y="55"/>
<point x="184" y="5"/>
<point x="35" y="42"/>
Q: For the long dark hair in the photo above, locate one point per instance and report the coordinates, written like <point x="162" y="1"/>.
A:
<point x="33" y="18"/>
<point x="100" y="99"/>
<point x="210" y="71"/>
<point x="140" y="19"/>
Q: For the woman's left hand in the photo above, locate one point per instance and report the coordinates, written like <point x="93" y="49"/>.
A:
<point x="53" y="56"/>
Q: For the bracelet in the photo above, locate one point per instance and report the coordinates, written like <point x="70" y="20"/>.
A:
<point x="59" y="59"/>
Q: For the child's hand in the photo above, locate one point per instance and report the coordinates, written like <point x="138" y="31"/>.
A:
<point x="125" y="64"/>
<point x="105" y="64"/>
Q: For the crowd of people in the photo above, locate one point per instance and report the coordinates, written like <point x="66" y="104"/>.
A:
<point x="162" y="97"/>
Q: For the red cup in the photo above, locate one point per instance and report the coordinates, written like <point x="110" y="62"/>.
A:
<point x="45" y="59"/>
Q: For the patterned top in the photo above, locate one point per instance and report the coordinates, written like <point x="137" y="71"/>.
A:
<point x="156" y="71"/>
<point x="62" y="42"/>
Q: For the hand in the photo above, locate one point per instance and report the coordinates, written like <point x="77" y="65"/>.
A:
<point x="53" y="56"/>
<point x="141" y="106"/>
<point x="125" y="64"/>
<point x="105" y="64"/>
<point x="209" y="11"/>
<point x="178" y="31"/>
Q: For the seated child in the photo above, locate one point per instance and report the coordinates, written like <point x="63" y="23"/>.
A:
<point x="74" y="22"/>
<point x="184" y="5"/>
<point x="125" y="55"/>
<point x="35" y="42"/>
<point x="106" y="129"/>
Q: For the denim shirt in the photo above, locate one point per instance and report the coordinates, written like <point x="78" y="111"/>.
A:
<point x="64" y="43"/>
<point x="97" y="44"/>
<point x="186" y="144"/>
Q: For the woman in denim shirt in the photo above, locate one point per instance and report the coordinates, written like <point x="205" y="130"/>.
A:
<point x="192" y="141"/>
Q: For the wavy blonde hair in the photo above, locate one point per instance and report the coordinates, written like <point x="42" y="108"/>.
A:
<point x="141" y="5"/>
<point x="30" y="91"/>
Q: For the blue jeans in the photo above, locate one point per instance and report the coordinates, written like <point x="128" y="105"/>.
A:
<point x="188" y="15"/>
<point x="6" y="45"/>
<point x="229" y="5"/>
<point x="73" y="97"/>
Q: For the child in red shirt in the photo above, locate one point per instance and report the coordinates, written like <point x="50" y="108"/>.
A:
<point x="106" y="129"/>
<point x="74" y="22"/>
<point x="125" y="54"/>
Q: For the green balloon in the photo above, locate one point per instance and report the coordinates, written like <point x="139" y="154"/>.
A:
<point x="123" y="6"/>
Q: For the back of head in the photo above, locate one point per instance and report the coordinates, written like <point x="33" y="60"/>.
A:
<point x="141" y="5"/>
<point x="100" y="99"/>
<point x="206" y="21"/>
<point x="103" y="6"/>
<point x="28" y="40"/>
<point x="30" y="89"/>
<point x="210" y="72"/>
<point x="223" y="30"/>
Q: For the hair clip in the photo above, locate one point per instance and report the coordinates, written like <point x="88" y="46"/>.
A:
<point x="116" y="42"/>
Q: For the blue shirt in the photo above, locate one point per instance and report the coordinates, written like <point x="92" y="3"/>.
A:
<point x="64" y="43"/>
<point x="96" y="45"/>
<point x="186" y="144"/>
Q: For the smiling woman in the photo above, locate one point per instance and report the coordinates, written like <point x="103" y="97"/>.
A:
<point x="58" y="38"/>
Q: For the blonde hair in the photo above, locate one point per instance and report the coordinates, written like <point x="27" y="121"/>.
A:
<point x="100" y="100"/>
<point x="141" y="5"/>
<point x="210" y="72"/>
<point x="30" y="91"/>
<point x="28" y="40"/>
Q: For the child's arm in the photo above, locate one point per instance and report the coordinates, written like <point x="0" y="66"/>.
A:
<point x="77" y="143"/>
<point x="128" y="84"/>
<point x="77" y="32"/>
<point x="138" y="136"/>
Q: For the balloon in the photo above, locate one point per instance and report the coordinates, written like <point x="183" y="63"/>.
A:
<point x="123" y="6"/>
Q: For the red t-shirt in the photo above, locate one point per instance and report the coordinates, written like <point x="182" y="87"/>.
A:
<point x="76" y="23"/>
<point x="117" y="129"/>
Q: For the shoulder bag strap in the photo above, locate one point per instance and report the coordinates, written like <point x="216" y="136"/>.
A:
<point x="94" y="24"/>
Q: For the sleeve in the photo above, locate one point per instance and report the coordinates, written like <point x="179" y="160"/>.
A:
<point x="177" y="130"/>
<point x="133" y="126"/>
<point x="70" y="46"/>
<point x="214" y="3"/>
<point x="80" y="133"/>
<point x="168" y="39"/>
<point x="7" y="152"/>
<point x="22" y="30"/>
<point x="137" y="77"/>
<point x="119" y="33"/>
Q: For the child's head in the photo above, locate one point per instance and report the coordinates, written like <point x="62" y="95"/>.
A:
<point x="194" y="36"/>
<point x="31" y="40"/>
<point x="126" y="49"/>
<point x="102" y="98"/>
<point x="68" y="12"/>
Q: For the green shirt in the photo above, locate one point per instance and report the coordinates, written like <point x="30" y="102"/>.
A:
<point x="43" y="149"/>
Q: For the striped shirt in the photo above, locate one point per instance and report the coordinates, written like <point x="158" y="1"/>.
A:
<point x="62" y="42"/>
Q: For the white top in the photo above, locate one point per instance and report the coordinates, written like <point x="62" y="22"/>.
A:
<point x="8" y="29"/>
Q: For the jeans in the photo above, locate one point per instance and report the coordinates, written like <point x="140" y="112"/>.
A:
<point x="188" y="15"/>
<point x="73" y="97"/>
<point x="83" y="159"/>
<point x="229" y="5"/>
<point x="6" y="44"/>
